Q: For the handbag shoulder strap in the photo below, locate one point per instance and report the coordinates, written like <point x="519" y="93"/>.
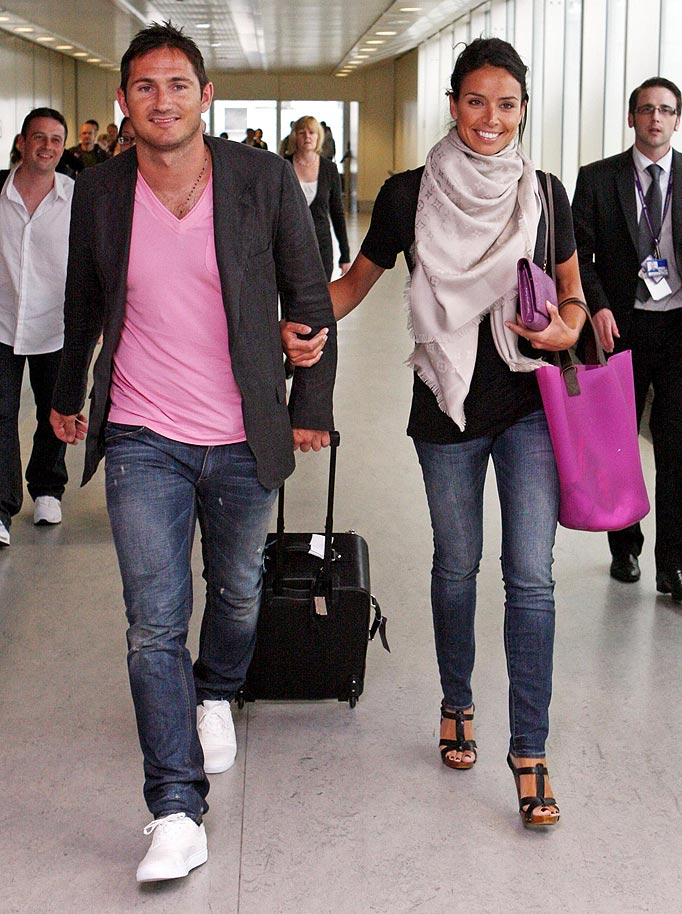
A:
<point x="547" y="203"/>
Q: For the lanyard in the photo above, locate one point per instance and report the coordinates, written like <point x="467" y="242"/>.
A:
<point x="645" y="208"/>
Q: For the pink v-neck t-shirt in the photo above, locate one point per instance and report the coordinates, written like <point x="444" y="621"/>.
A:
<point x="172" y="370"/>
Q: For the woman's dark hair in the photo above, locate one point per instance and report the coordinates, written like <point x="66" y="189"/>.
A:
<point x="490" y="52"/>
<point x="14" y="154"/>
<point x="158" y="36"/>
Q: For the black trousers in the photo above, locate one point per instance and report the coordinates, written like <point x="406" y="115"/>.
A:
<point x="46" y="470"/>
<point x="655" y="339"/>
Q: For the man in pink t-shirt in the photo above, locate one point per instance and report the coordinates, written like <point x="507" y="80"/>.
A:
<point x="181" y="251"/>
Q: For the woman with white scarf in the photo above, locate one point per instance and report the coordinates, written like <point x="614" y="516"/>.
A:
<point x="462" y="222"/>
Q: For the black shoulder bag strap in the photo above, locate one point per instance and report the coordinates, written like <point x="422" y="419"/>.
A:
<point x="547" y="203"/>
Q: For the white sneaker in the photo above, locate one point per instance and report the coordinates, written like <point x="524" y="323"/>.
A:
<point x="216" y="734"/>
<point x="4" y="535"/>
<point x="178" y="845"/>
<point x="47" y="510"/>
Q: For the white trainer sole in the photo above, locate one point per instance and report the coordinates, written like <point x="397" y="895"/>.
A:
<point x="160" y="875"/>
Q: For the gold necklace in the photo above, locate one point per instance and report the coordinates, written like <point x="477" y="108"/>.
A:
<point x="305" y="164"/>
<point x="185" y="207"/>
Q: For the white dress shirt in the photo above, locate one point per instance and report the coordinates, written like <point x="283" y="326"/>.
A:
<point x="33" y="255"/>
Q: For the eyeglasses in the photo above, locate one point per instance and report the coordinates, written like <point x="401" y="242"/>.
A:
<point x="125" y="140"/>
<point x="648" y="110"/>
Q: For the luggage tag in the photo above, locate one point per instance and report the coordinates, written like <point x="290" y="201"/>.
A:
<point x="317" y="545"/>
<point x="320" y="605"/>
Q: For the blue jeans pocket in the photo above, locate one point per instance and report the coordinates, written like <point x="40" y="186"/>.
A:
<point x="116" y="431"/>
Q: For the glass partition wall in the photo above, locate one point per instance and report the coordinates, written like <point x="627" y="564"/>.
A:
<point x="584" y="56"/>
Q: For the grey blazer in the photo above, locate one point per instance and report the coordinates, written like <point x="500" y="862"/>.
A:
<point x="267" y="255"/>
<point x="606" y="232"/>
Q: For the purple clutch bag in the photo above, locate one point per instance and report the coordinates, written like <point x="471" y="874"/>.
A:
<point x="536" y="288"/>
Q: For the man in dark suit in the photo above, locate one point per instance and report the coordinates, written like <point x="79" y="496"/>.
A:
<point x="180" y="251"/>
<point x="627" y="212"/>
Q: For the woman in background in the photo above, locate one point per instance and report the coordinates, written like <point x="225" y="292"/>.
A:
<point x="319" y="179"/>
<point x="15" y="153"/>
<point x="126" y="136"/>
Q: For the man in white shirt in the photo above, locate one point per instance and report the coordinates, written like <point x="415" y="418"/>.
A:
<point x="35" y="211"/>
<point x="627" y="212"/>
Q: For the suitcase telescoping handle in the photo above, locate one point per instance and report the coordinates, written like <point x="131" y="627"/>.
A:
<point x="324" y="580"/>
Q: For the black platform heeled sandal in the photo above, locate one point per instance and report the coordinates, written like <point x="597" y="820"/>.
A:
<point x="459" y="744"/>
<point x="546" y="807"/>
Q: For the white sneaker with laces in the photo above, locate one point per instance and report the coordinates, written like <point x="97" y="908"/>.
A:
<point x="47" y="510"/>
<point x="217" y="736"/>
<point x="4" y="535"/>
<point x="178" y="845"/>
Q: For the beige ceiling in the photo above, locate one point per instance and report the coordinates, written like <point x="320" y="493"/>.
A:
<point x="277" y="36"/>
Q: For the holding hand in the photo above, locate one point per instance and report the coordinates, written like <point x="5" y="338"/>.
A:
<point x="303" y="353"/>
<point x="306" y="438"/>
<point x="69" y="429"/>
<point x="557" y="335"/>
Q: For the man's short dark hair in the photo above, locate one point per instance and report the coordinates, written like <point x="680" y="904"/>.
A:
<point x="157" y="36"/>
<point x="656" y="82"/>
<point x="94" y="123"/>
<point x="43" y="112"/>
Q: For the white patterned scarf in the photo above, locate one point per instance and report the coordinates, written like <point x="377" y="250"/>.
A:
<point x="476" y="216"/>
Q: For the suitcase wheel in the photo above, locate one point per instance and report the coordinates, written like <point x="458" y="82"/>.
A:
<point x="240" y="699"/>
<point x="352" y="701"/>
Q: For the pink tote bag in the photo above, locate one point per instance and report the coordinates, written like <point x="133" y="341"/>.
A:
<point x="592" y="421"/>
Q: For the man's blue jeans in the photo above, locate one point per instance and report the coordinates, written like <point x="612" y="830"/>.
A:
<point x="528" y="488"/>
<point x="156" y="488"/>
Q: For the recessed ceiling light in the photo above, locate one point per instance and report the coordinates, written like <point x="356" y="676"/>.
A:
<point x="64" y="47"/>
<point x="342" y="74"/>
<point x="360" y="57"/>
<point x="376" y="41"/>
<point x="4" y="18"/>
<point x="24" y="28"/>
<point x="410" y="9"/>
<point x="80" y="54"/>
<point x="386" y="33"/>
<point x="368" y="50"/>
<point x="46" y="38"/>
<point x="94" y="59"/>
<point x="203" y="25"/>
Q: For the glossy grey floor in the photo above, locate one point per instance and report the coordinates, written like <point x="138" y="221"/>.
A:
<point x="327" y="809"/>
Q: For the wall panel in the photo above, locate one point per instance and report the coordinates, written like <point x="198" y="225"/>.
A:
<point x="32" y="76"/>
<point x="405" y="132"/>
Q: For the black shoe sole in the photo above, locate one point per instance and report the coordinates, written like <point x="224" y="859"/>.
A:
<point x="664" y="589"/>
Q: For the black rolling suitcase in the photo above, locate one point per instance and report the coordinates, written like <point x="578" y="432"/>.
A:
<point x="317" y="613"/>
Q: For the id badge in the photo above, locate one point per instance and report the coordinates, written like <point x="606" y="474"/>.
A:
<point x="658" y="288"/>
<point x="656" y="269"/>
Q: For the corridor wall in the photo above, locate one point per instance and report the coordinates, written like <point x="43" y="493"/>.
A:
<point x="584" y="57"/>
